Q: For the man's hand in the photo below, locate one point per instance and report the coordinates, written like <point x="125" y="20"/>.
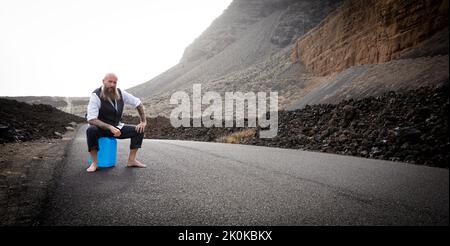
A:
<point x="141" y="127"/>
<point x="115" y="131"/>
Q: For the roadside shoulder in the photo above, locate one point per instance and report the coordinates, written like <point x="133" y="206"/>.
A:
<point x="28" y="172"/>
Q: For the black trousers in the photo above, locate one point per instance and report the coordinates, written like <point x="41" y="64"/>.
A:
<point x="93" y="133"/>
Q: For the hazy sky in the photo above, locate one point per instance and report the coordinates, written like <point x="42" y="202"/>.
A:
<point x="64" y="47"/>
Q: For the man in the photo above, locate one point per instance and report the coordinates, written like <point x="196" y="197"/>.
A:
<point x="104" y="113"/>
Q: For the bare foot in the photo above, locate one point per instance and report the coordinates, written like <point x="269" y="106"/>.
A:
<point x="135" y="163"/>
<point x="92" y="167"/>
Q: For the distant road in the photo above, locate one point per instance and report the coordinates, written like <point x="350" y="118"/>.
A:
<point x="69" y="105"/>
<point x="200" y="183"/>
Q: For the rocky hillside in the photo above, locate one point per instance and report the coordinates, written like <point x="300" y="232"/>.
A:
<point x="21" y="121"/>
<point x="249" y="32"/>
<point x="312" y="51"/>
<point x="411" y="126"/>
<point x="71" y="105"/>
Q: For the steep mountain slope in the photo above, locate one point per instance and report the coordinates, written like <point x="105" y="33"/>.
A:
<point x="248" y="32"/>
<point x="311" y="51"/>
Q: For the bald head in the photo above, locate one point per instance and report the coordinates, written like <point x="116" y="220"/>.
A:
<point x="110" y="76"/>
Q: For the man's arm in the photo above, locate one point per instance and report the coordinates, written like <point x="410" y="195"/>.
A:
<point x="141" y="111"/>
<point x="100" y="124"/>
<point x="141" y="126"/>
<point x="136" y="102"/>
<point x="92" y="113"/>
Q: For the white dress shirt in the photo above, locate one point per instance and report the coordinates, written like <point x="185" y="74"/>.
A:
<point x="94" y="105"/>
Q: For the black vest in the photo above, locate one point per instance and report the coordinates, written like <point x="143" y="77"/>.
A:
<point x="107" y="113"/>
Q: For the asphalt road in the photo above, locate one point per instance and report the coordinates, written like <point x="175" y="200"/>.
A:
<point x="199" y="183"/>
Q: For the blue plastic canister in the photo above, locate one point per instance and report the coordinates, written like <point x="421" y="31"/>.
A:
<point x="107" y="155"/>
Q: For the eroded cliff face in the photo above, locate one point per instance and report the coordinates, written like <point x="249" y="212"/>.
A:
<point x="369" y="32"/>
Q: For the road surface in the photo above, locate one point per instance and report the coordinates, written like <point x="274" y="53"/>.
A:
<point x="200" y="183"/>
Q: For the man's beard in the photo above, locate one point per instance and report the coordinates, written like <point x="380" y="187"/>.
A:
<point x="110" y="94"/>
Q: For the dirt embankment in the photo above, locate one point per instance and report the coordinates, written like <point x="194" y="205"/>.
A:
<point x="409" y="127"/>
<point x="20" y="121"/>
